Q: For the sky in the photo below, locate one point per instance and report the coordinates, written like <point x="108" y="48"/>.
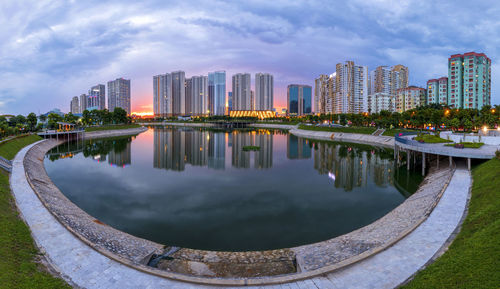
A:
<point x="53" y="50"/>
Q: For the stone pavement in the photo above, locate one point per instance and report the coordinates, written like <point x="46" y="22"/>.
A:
<point x="84" y="267"/>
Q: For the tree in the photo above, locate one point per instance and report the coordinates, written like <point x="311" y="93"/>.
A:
<point x="119" y="115"/>
<point x="71" y="118"/>
<point x="43" y="118"/>
<point x="53" y="119"/>
<point x="86" y="117"/>
<point x="32" y="120"/>
<point x="454" y="123"/>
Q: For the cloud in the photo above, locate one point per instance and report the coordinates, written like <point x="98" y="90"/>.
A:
<point x="53" y="50"/>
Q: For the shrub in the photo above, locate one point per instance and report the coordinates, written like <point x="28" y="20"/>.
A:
<point x="497" y="154"/>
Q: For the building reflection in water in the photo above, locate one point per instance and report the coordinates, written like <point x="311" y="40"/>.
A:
<point x="216" y="150"/>
<point x="120" y="155"/>
<point x="262" y="158"/>
<point x="297" y="148"/>
<point x="347" y="166"/>
<point x="351" y="166"/>
<point x="174" y="148"/>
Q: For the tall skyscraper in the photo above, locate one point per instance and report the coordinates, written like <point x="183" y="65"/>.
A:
<point x="119" y="94"/>
<point x="96" y="98"/>
<point x="399" y="78"/>
<point x="351" y="88"/>
<point x="299" y="99"/>
<point x="388" y="80"/>
<point x="437" y="91"/>
<point x="178" y="93"/>
<point x="74" y="106"/>
<point x="469" y="80"/>
<point x="217" y="93"/>
<point x="242" y="98"/>
<point x="382" y="77"/>
<point x="83" y="102"/>
<point x="264" y="91"/>
<point x="410" y="98"/>
<point x="321" y="94"/>
<point x="162" y="95"/>
<point x="197" y="95"/>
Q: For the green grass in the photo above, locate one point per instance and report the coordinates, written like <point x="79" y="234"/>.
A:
<point x="112" y="127"/>
<point x="473" y="259"/>
<point x="279" y="122"/>
<point x="251" y="148"/>
<point x="352" y="129"/>
<point x="18" y="254"/>
<point x="9" y="148"/>
<point x="471" y="145"/>
<point x="393" y="131"/>
<point x="430" y="138"/>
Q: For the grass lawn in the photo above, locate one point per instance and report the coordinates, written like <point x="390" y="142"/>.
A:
<point x="392" y="132"/>
<point x="9" y="149"/>
<point x="471" y="145"/>
<point x="430" y="138"/>
<point x="112" y="127"/>
<point x="473" y="259"/>
<point x="18" y="254"/>
<point x="279" y="122"/>
<point x="251" y="148"/>
<point x="352" y="129"/>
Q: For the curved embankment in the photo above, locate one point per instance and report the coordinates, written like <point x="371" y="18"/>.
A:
<point x="113" y="133"/>
<point x="385" y="141"/>
<point x="233" y="268"/>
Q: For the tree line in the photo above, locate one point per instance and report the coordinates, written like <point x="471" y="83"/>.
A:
<point x="31" y="123"/>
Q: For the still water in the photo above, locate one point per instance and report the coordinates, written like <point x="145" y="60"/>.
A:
<point x="199" y="189"/>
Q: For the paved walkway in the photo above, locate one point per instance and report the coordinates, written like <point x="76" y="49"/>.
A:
<point x="84" y="267"/>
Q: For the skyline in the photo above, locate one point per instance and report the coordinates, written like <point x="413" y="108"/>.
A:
<point x="59" y="50"/>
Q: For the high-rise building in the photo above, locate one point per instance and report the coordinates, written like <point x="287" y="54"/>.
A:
<point x="331" y="93"/>
<point x="410" y="98"/>
<point x="242" y="95"/>
<point x="197" y="95"/>
<point x="399" y="78"/>
<point x="96" y="98"/>
<point x="381" y="101"/>
<point x="83" y="102"/>
<point x="264" y="91"/>
<point x="217" y="93"/>
<point x="351" y="87"/>
<point x="388" y="80"/>
<point x="74" y="106"/>
<point x="382" y="77"/>
<point x="178" y="93"/>
<point x="162" y="95"/>
<point x="437" y="91"/>
<point x="299" y="99"/>
<point x="229" y="102"/>
<point x="469" y="80"/>
<point x="321" y="94"/>
<point x="119" y="94"/>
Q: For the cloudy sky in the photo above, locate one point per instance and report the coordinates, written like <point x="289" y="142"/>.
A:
<point x="53" y="50"/>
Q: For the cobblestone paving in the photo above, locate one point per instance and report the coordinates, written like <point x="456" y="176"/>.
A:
<point x="86" y="268"/>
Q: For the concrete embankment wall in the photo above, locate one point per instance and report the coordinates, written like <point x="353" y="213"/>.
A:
<point x="385" y="141"/>
<point x="112" y="133"/>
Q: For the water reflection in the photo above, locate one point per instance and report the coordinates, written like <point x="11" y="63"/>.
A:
<point x="181" y="183"/>
<point x="347" y="166"/>
<point x="353" y="166"/>
<point x="117" y="151"/>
